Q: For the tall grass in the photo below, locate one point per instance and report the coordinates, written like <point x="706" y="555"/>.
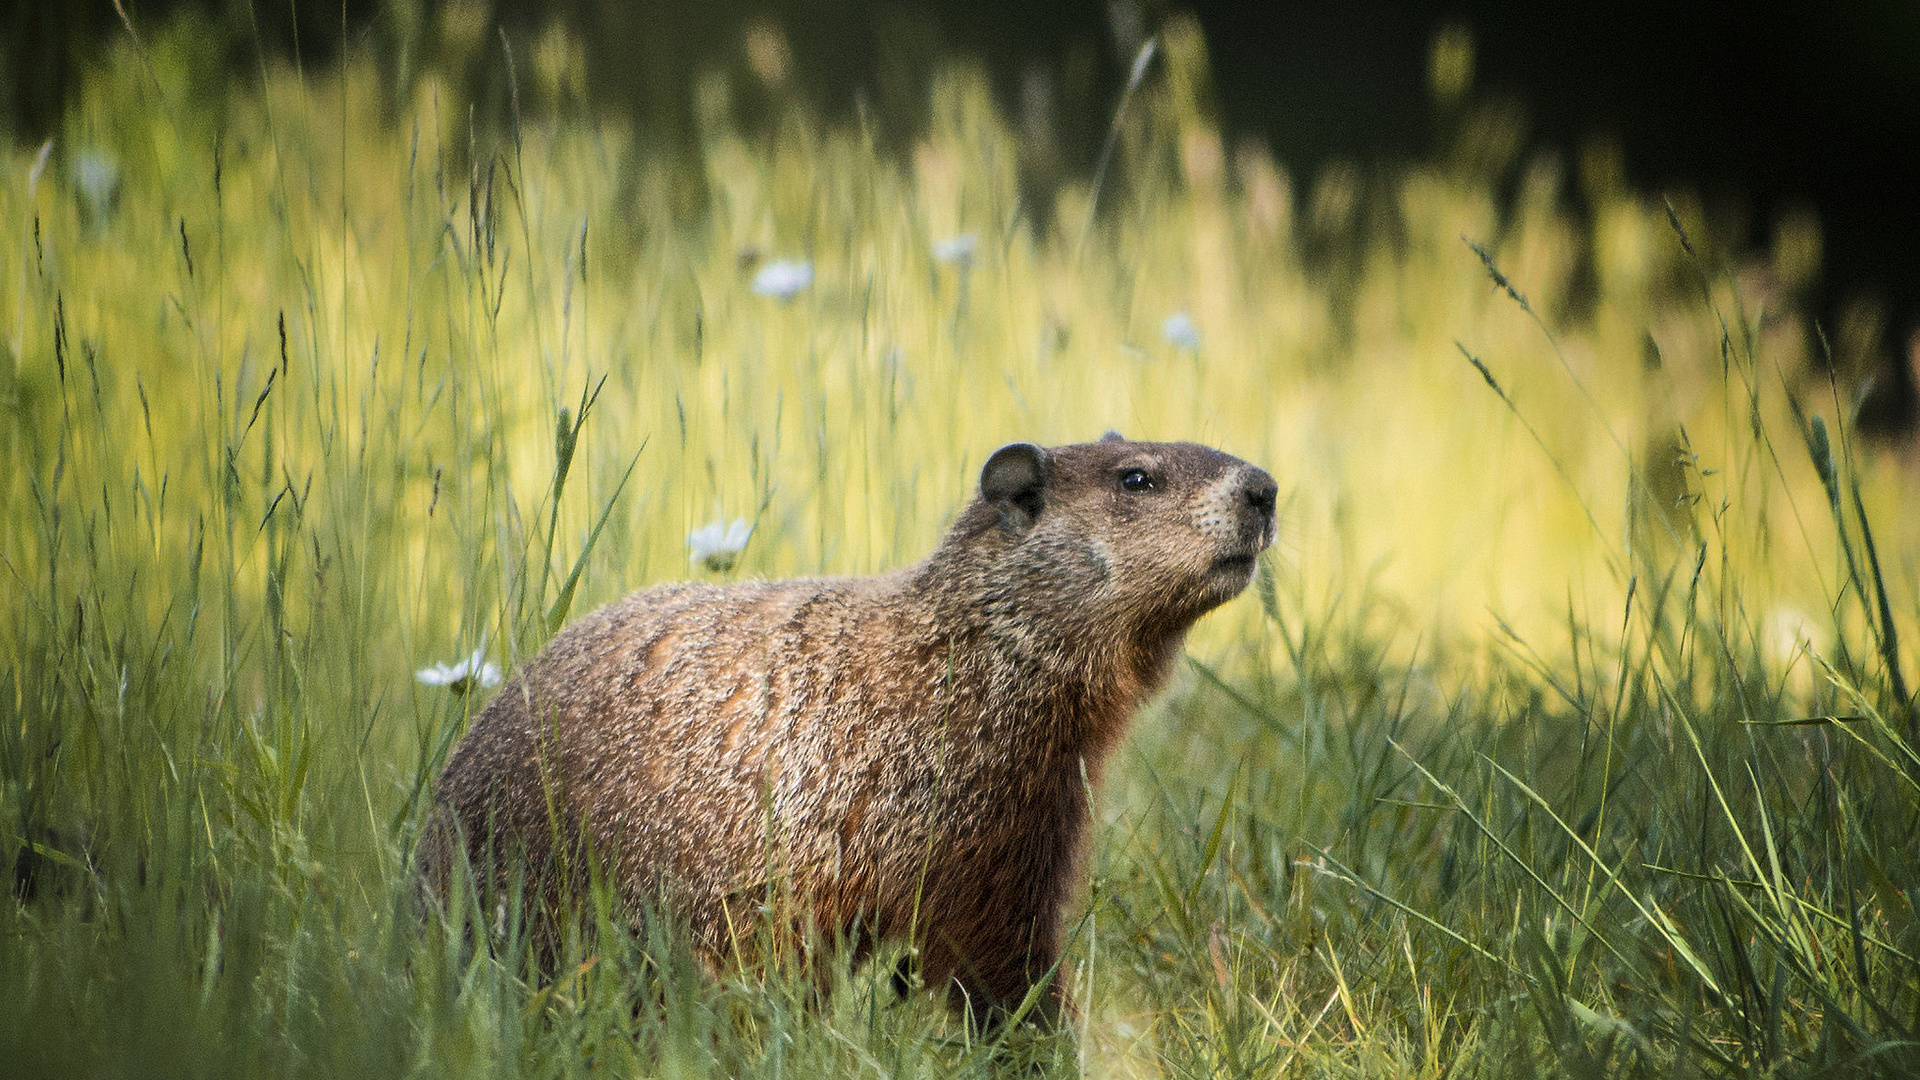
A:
<point x="1567" y="733"/>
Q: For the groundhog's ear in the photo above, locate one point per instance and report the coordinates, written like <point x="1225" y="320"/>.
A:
<point x="1113" y="436"/>
<point x="1015" y="480"/>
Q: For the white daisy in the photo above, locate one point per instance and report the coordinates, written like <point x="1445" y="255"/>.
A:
<point x="96" y="177"/>
<point x="956" y="250"/>
<point x="715" y="546"/>
<point x="783" y="279"/>
<point x="462" y="675"/>
<point x="1179" y="330"/>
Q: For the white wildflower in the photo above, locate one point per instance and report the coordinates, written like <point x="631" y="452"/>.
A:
<point x="715" y="546"/>
<point x="462" y="675"/>
<point x="96" y="176"/>
<point x="1179" y="330"/>
<point x="957" y="250"/>
<point x="783" y="279"/>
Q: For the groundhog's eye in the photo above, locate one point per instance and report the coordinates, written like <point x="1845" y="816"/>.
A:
<point x="1136" y="481"/>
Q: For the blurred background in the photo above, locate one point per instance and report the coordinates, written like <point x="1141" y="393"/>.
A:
<point x="1799" y="114"/>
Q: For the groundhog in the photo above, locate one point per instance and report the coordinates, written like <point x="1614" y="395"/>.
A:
<point x="904" y="756"/>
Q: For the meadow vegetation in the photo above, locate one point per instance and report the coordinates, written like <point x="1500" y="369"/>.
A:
<point x="1566" y="732"/>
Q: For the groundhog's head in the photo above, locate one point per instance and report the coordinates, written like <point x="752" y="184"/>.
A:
<point x="1134" y="539"/>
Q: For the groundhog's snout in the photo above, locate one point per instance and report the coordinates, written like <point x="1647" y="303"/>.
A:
<point x="1259" y="491"/>
<point x="1237" y="513"/>
<point x="1257" y="494"/>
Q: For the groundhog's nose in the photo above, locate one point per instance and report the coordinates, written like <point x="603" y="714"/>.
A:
<point x="1259" y="490"/>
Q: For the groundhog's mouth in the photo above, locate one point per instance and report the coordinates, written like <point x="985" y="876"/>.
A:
<point x="1240" y="563"/>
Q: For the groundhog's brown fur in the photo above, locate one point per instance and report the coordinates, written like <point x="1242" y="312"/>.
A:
<point x="899" y="756"/>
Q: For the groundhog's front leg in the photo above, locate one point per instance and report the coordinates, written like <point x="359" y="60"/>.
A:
<point x="990" y="977"/>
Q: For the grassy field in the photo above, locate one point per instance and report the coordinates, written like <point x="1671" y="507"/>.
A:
<point x="1565" y="732"/>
